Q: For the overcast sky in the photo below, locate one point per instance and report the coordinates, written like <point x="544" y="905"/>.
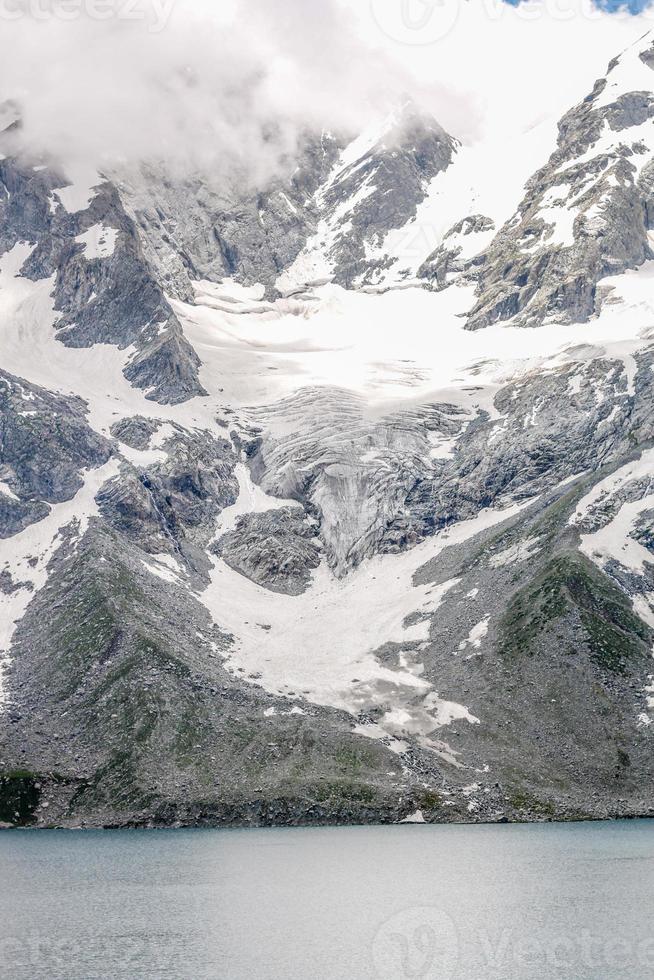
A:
<point x="201" y="81"/>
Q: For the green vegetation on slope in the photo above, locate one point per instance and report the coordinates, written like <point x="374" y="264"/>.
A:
<point x="569" y="584"/>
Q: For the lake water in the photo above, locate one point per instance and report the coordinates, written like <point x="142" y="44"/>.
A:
<point x="462" y="903"/>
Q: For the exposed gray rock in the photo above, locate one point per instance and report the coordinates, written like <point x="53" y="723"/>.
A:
<point x="45" y="443"/>
<point x="353" y="472"/>
<point x="644" y="531"/>
<point x="171" y="507"/>
<point x="166" y="366"/>
<point x="529" y="450"/>
<point x="399" y="169"/>
<point x="451" y="259"/>
<point x="108" y="297"/>
<point x="277" y="549"/>
<point x="135" y="431"/>
<point x="8" y="585"/>
<point x="211" y="227"/>
<point x="647" y="57"/>
<point x="379" y="192"/>
<point x="630" y="109"/>
<point x="585" y="215"/>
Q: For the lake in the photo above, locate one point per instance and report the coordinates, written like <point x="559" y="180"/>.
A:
<point x="439" y="903"/>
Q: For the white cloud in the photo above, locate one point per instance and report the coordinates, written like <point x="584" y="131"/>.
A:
<point x="240" y="83"/>
<point x="514" y="66"/>
<point x="209" y="83"/>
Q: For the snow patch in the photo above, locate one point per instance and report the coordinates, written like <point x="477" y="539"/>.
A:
<point x="251" y="500"/>
<point x="30" y="350"/>
<point x="615" y="540"/>
<point x="416" y="817"/>
<point x="99" y="241"/>
<point x="7" y="491"/>
<point x="348" y="339"/>
<point x="81" y="190"/>
<point x="165" y="567"/>
<point x="475" y="636"/>
<point x="517" y="552"/>
<point x="322" y="643"/>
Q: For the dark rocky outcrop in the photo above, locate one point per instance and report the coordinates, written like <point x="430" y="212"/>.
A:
<point x="585" y="214"/>
<point x="110" y="296"/>
<point x="45" y="443"/>
<point x="277" y="549"/>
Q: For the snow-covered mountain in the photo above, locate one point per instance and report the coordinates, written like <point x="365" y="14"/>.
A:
<point x="586" y="213"/>
<point x="332" y="499"/>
